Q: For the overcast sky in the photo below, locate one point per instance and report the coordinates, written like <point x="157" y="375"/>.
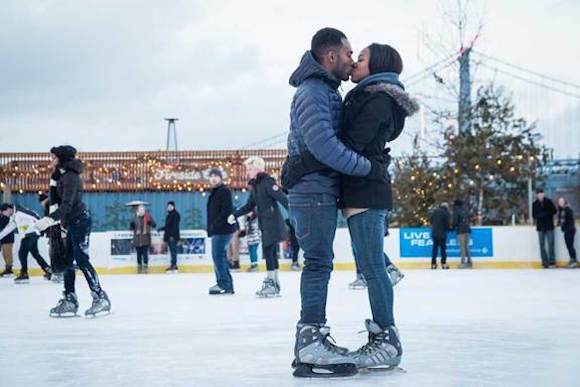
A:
<point x="102" y="75"/>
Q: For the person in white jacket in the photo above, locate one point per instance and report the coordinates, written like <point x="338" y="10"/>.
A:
<point x="24" y="220"/>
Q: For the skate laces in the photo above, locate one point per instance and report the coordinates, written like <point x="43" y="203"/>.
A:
<point x="328" y="341"/>
<point x="375" y="341"/>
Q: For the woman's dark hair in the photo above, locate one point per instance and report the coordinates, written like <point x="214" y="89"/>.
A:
<point x="384" y="59"/>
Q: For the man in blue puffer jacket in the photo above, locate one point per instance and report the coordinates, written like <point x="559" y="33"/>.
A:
<point x="315" y="120"/>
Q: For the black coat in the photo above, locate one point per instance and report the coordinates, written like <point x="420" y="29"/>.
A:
<point x="440" y="222"/>
<point x="219" y="207"/>
<point x="566" y="219"/>
<point x="8" y="239"/>
<point x="461" y="220"/>
<point x="171" y="227"/>
<point x="373" y="116"/>
<point x="69" y="192"/>
<point x="265" y="195"/>
<point x="543" y="213"/>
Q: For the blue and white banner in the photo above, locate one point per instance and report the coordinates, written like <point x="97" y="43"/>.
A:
<point x="417" y="243"/>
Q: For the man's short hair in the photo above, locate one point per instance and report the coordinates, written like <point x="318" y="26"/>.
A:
<point x="325" y="39"/>
<point x="539" y="190"/>
<point x="6" y="206"/>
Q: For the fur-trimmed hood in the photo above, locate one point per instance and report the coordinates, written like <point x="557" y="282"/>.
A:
<point x="407" y="103"/>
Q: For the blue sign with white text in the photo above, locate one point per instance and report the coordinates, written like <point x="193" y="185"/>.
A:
<point x="417" y="243"/>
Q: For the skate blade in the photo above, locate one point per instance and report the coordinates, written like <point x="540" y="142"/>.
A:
<point x="64" y="315"/>
<point x="385" y="369"/>
<point x="268" y="295"/>
<point x="97" y="315"/>
<point x="324" y="371"/>
<point x="172" y="272"/>
<point x="357" y="287"/>
<point x="24" y="282"/>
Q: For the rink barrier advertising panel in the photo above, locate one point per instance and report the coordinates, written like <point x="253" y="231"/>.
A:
<point x="417" y="243"/>
<point x="190" y="248"/>
<point x="502" y="247"/>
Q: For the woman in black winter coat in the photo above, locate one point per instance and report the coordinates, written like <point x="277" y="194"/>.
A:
<point x="374" y="114"/>
<point x="265" y="196"/>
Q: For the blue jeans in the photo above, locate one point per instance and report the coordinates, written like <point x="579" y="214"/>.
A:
<point x="550" y="258"/>
<point x="358" y="269"/>
<point x="253" y="249"/>
<point x="172" y="246"/>
<point x="77" y="250"/>
<point x="367" y="231"/>
<point x="314" y="217"/>
<point x="219" y="254"/>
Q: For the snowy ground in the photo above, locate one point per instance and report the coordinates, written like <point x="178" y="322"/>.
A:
<point x="459" y="328"/>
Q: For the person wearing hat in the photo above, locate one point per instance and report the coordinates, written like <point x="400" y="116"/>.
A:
<point x="171" y="234"/>
<point x="440" y="224"/>
<point x="74" y="217"/>
<point x="6" y="245"/>
<point x="219" y="208"/>
<point x="265" y="196"/>
<point x="141" y="225"/>
<point x="24" y="220"/>
<point x="543" y="211"/>
<point x="55" y="241"/>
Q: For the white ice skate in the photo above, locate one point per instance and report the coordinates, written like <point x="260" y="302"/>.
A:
<point x="395" y="275"/>
<point x="270" y="288"/>
<point x="317" y="357"/>
<point x="383" y="350"/>
<point x="101" y="305"/>
<point x="66" y="307"/>
<point x="358" y="283"/>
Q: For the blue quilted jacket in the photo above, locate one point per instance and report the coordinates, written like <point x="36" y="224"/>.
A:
<point x="315" y="121"/>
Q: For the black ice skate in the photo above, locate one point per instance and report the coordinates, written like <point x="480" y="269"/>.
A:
<point x="318" y="357"/>
<point x="101" y="305"/>
<point x="7" y="273"/>
<point x="295" y="266"/>
<point x="22" y="278"/>
<point x="66" y="307"/>
<point x="217" y="290"/>
<point x="47" y="274"/>
<point x="172" y="269"/>
<point x="383" y="350"/>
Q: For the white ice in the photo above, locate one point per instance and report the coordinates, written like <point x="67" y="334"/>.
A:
<point x="459" y="328"/>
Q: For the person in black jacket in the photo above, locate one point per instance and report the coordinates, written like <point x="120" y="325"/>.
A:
<point x="463" y="230"/>
<point x="265" y="196"/>
<point x="55" y="242"/>
<point x="171" y="234"/>
<point x="374" y="115"/>
<point x="568" y="225"/>
<point x="74" y="217"/>
<point x="6" y="245"/>
<point x="440" y="225"/>
<point x="543" y="211"/>
<point x="219" y="208"/>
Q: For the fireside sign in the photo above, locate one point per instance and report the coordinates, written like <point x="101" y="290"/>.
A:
<point x="191" y="175"/>
<point x="417" y="243"/>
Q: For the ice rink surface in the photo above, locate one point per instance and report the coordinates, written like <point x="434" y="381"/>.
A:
<point x="458" y="328"/>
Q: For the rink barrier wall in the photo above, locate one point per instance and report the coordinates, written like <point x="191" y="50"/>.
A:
<point x="514" y="247"/>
